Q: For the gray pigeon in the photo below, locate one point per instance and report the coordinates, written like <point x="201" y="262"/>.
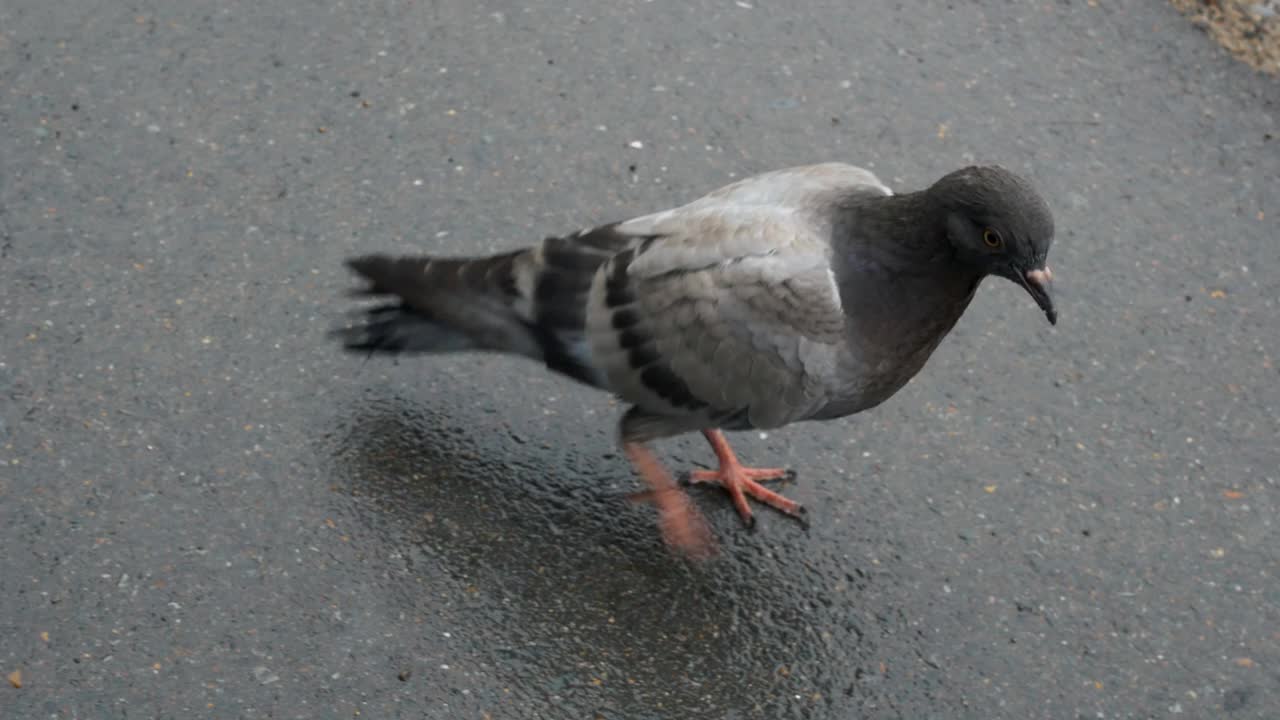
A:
<point x="802" y="294"/>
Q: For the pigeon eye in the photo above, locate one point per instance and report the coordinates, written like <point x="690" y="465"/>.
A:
<point x="992" y="238"/>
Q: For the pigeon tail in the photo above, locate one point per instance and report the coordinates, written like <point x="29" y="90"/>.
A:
<point x="529" y="302"/>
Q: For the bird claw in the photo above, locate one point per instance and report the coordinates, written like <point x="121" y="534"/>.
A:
<point x="743" y="482"/>
<point x="802" y="516"/>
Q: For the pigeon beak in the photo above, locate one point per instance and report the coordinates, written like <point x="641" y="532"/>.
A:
<point x="1038" y="282"/>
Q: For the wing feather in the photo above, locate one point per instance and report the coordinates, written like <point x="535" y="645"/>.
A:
<point x="739" y="306"/>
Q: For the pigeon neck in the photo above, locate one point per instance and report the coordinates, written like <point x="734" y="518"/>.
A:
<point x="901" y="234"/>
<point x="900" y="283"/>
<point x="896" y="248"/>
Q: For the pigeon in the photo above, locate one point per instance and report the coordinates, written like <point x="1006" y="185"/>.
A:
<point x="808" y="293"/>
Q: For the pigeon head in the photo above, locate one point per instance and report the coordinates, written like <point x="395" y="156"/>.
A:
<point x="999" y="225"/>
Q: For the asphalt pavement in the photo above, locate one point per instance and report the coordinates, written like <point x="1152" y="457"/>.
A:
<point x="207" y="510"/>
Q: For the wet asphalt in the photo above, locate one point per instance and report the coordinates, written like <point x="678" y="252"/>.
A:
<point x="206" y="510"/>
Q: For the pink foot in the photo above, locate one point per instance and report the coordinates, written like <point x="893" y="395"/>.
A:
<point x="683" y="527"/>
<point x="740" y="481"/>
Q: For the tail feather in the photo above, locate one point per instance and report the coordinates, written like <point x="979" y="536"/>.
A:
<point x="393" y="328"/>
<point x="529" y="302"/>
<point x="445" y="305"/>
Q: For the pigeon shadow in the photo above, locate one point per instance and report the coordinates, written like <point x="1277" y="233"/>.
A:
<point x="565" y="574"/>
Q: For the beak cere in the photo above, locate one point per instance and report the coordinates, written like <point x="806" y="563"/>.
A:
<point x="1038" y="282"/>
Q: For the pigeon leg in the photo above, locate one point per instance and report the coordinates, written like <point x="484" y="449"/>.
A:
<point x="683" y="527"/>
<point x="741" y="481"/>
